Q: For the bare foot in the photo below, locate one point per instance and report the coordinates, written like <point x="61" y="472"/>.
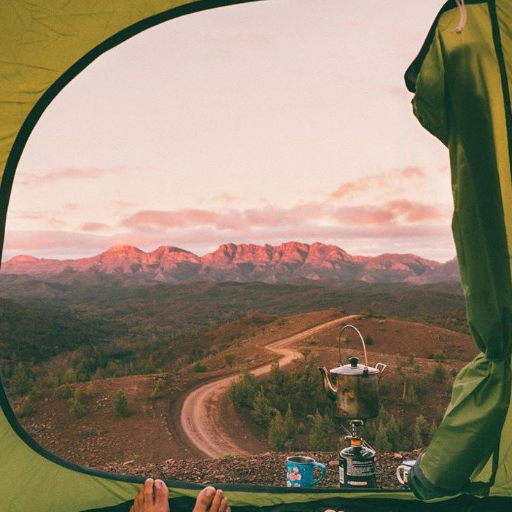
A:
<point x="210" y="500"/>
<point x="153" y="497"/>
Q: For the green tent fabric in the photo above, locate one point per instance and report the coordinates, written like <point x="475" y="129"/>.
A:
<point x="462" y="96"/>
<point x="44" y="44"/>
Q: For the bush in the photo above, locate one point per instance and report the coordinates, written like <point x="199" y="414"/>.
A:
<point x="322" y="432"/>
<point x="368" y="339"/>
<point x="121" y="405"/>
<point x="156" y="392"/>
<point x="282" y="433"/>
<point x="439" y="372"/>
<point x="262" y="409"/>
<point x="420" y="433"/>
<point x="200" y="367"/>
<point x="381" y="439"/>
<point x="230" y="359"/>
<point x="243" y="390"/>
<point x="20" y="383"/>
<point x="64" y="392"/>
<point x="25" y="408"/>
<point x="77" y="406"/>
<point x="411" y="398"/>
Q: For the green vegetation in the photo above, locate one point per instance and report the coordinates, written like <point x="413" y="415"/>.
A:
<point x="294" y="411"/>
<point x="156" y="392"/>
<point x="121" y="405"/>
<point x="439" y="372"/>
<point x="200" y="367"/>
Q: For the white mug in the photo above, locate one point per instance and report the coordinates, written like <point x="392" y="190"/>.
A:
<point x="402" y="471"/>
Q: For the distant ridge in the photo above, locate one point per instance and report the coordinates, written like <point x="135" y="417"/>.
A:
<point x="241" y="263"/>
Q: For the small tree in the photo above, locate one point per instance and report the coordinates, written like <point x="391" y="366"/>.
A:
<point x="77" y="405"/>
<point x="230" y="359"/>
<point x="368" y="339"/>
<point x="262" y="409"/>
<point x="200" y="367"/>
<point x="243" y="390"/>
<point x="381" y="439"/>
<point x="420" y="433"/>
<point x="322" y="432"/>
<point x="411" y="398"/>
<point x="121" y="405"/>
<point x="20" y="384"/>
<point x="277" y="433"/>
<point x="25" y="409"/>
<point x="64" y="392"/>
<point x="439" y="373"/>
<point x="156" y="392"/>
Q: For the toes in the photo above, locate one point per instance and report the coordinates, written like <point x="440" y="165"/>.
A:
<point x="161" y="494"/>
<point x="223" y="505"/>
<point x="148" y="491"/>
<point x="204" y="499"/>
<point x="217" y="500"/>
<point x="138" y="502"/>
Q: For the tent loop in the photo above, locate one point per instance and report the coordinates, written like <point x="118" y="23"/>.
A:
<point x="463" y="17"/>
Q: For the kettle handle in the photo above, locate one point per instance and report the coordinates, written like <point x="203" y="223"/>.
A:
<point x="362" y="341"/>
<point x="384" y="366"/>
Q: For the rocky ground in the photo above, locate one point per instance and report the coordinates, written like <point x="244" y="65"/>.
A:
<point x="266" y="469"/>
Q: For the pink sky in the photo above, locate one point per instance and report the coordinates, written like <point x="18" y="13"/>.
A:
<point x="266" y="122"/>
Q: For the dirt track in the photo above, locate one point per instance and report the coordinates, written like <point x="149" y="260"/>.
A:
<point x="200" y="412"/>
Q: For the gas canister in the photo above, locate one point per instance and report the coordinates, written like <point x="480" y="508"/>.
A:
<point x="357" y="462"/>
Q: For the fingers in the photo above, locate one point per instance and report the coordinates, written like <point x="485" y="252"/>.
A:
<point x="161" y="494"/>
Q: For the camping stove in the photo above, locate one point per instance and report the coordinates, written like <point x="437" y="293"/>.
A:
<point x="357" y="462"/>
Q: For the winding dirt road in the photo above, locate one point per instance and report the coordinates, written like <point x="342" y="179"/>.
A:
<point x="201" y="409"/>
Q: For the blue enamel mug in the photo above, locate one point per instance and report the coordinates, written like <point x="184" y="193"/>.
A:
<point x="300" y="472"/>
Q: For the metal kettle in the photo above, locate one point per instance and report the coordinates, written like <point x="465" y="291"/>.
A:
<point x="356" y="386"/>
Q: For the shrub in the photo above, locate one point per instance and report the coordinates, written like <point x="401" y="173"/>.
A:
<point x="64" y="392"/>
<point x="25" y="408"/>
<point x="411" y="398"/>
<point x="381" y="439"/>
<point x="262" y="409"/>
<point x="243" y="390"/>
<point x="156" y="392"/>
<point x="20" y="383"/>
<point x="322" y="432"/>
<point x="439" y="372"/>
<point x="77" y="407"/>
<point x="200" y="367"/>
<point x="411" y="359"/>
<point x="282" y="433"/>
<point x="121" y="405"/>
<point x="420" y="432"/>
<point x="439" y="356"/>
<point x="368" y="339"/>
<point x="230" y="359"/>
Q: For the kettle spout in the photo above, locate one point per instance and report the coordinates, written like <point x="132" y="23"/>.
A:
<point x="328" y="386"/>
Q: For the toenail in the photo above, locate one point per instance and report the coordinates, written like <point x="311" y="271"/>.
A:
<point x="210" y="492"/>
<point x="158" y="484"/>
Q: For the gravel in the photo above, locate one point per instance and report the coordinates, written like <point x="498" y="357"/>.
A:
<point x="265" y="469"/>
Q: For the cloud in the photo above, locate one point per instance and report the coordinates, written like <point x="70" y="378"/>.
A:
<point x="94" y="227"/>
<point x="380" y="181"/>
<point x="170" y="219"/>
<point x="56" y="223"/>
<point x="70" y="173"/>
<point x="71" y="206"/>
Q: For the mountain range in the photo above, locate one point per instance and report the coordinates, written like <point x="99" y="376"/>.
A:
<point x="240" y="263"/>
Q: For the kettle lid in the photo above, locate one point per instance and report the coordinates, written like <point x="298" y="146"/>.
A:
<point x="354" y="368"/>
